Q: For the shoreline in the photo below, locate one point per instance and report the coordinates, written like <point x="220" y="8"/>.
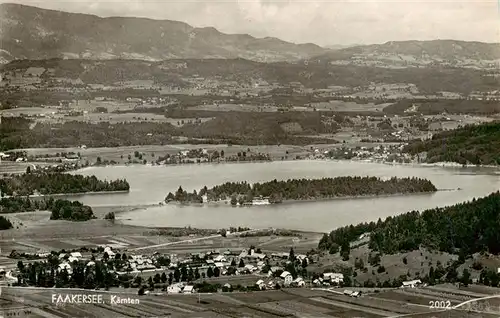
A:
<point x="294" y="201"/>
<point x="68" y="194"/>
<point x="367" y="161"/>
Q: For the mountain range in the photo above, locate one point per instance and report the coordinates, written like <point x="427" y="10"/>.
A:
<point x="32" y="33"/>
<point x="29" y="32"/>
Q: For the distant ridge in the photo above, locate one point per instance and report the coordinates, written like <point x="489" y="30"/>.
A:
<point x="29" y="32"/>
<point x="450" y="50"/>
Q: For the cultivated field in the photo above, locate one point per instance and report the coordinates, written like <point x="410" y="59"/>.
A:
<point x="277" y="303"/>
<point x="120" y="154"/>
<point x="340" y="106"/>
<point x="334" y="105"/>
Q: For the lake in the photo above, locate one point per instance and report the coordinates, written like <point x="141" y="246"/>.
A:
<point x="150" y="185"/>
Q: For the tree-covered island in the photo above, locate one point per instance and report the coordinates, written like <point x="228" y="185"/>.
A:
<point x="243" y="193"/>
<point x="61" y="209"/>
<point x="47" y="183"/>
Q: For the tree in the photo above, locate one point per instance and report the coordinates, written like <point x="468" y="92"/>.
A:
<point x="242" y="263"/>
<point x="210" y="272"/>
<point x="190" y="275"/>
<point x="216" y="272"/>
<point x="137" y="281"/>
<point x="110" y="216"/>
<point x="465" y="279"/>
<point x="157" y="278"/>
<point x="291" y="255"/>
<point x="197" y="273"/>
<point x="234" y="200"/>
<point x="140" y="292"/>
<point x="20" y="266"/>
<point x="184" y="273"/>
<point x="170" y="278"/>
<point x="177" y="275"/>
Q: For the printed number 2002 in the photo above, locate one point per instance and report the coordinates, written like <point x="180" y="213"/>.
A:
<point x="436" y="304"/>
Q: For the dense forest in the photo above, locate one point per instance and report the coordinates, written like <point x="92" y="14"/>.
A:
<point x="61" y="209"/>
<point x="247" y="128"/>
<point x="305" y="189"/>
<point x="57" y="183"/>
<point x="464" y="228"/>
<point x="5" y="224"/>
<point x="472" y="144"/>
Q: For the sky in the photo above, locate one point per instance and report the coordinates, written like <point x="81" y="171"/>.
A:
<point x="327" y="22"/>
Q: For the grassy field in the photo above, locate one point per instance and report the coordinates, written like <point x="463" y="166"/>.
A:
<point x="340" y="106"/>
<point x="417" y="262"/>
<point x="334" y="105"/>
<point x="150" y="153"/>
<point x="278" y="303"/>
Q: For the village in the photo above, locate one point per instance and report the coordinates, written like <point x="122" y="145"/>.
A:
<point x="212" y="271"/>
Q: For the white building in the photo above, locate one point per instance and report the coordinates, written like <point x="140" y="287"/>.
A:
<point x="336" y="278"/>
<point x="188" y="289"/>
<point x="411" y="283"/>
<point x="287" y="277"/>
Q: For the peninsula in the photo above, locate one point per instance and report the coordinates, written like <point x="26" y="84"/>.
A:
<point x="46" y="183"/>
<point x="272" y="192"/>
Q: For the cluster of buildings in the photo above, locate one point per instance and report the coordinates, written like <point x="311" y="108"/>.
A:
<point x="329" y="279"/>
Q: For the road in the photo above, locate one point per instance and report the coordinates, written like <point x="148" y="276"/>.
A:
<point x="196" y="239"/>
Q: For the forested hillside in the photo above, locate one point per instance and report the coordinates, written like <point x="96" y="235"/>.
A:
<point x="464" y="228"/>
<point x="473" y="144"/>
<point x="57" y="183"/>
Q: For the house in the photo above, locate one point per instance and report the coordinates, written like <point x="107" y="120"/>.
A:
<point x="274" y="269"/>
<point x="188" y="289"/>
<point x="174" y="289"/>
<point x="220" y="258"/>
<point x="72" y="259"/>
<point x="250" y="267"/>
<point x="317" y="282"/>
<point x="351" y="293"/>
<point x="65" y="266"/>
<point x="43" y="254"/>
<point x="301" y="257"/>
<point x="334" y="277"/>
<point x="76" y="254"/>
<point x="299" y="281"/>
<point x="411" y="283"/>
<point x="62" y="255"/>
<point x="219" y="264"/>
<point x="261" y="284"/>
<point x="287" y="277"/>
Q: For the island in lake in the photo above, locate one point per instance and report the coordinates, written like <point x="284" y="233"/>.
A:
<point x="272" y="192"/>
